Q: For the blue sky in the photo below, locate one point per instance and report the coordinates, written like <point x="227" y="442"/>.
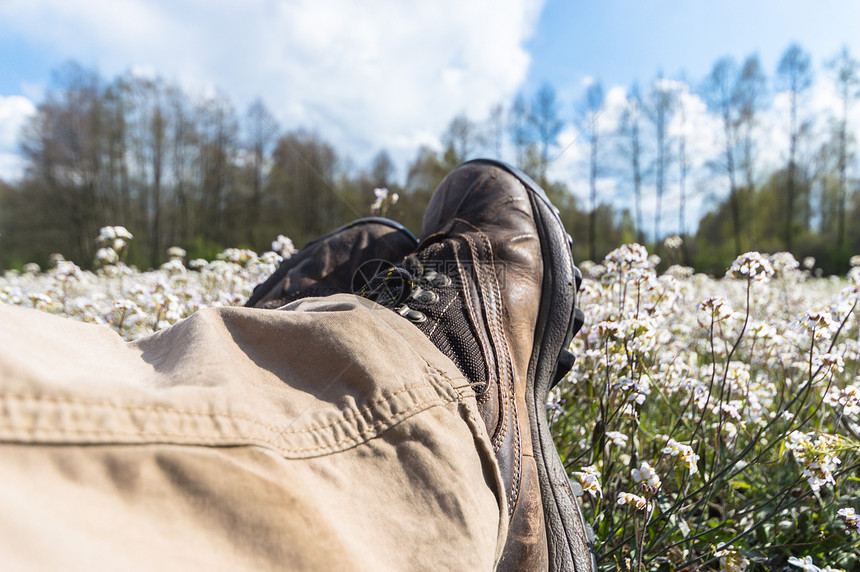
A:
<point x="620" y="41"/>
<point x="393" y="76"/>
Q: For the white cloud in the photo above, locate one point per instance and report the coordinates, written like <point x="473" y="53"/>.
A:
<point x="364" y="77"/>
<point x="702" y="129"/>
<point x="572" y="155"/>
<point x="14" y="111"/>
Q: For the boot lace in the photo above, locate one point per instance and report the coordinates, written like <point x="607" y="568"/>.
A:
<point x="401" y="287"/>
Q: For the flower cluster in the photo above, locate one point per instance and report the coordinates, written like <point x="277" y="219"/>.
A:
<point x="636" y="501"/>
<point x="851" y="519"/>
<point x="113" y="242"/>
<point x="784" y="264"/>
<point x="688" y="457"/>
<point x="137" y="303"/>
<point x="714" y="309"/>
<point x="818" y="456"/>
<point x="646" y="477"/>
<point x="819" y="323"/>
<point x="589" y="478"/>
<point x="731" y="560"/>
<point x="283" y="246"/>
<point x="673" y="242"/>
<point x="384" y="200"/>
<point x="701" y="401"/>
<point x="807" y="565"/>
<point x="751" y="266"/>
<point x="846" y="399"/>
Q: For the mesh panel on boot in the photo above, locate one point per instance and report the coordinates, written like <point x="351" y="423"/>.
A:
<point x="448" y="325"/>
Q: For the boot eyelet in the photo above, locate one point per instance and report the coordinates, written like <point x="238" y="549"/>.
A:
<point x="441" y="280"/>
<point x="416" y="317"/>
<point x="413" y="316"/>
<point x="426" y="297"/>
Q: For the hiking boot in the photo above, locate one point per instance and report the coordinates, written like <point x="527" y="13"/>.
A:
<point x="493" y="285"/>
<point x="335" y="263"/>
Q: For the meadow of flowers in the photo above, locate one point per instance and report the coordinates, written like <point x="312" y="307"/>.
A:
<point x="135" y="303"/>
<point x="712" y="423"/>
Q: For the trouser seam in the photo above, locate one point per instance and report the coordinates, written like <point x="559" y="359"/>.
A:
<point x="351" y="428"/>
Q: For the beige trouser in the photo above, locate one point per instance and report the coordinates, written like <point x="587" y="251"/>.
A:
<point x="329" y="436"/>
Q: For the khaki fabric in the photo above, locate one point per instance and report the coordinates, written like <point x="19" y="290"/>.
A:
<point x="331" y="435"/>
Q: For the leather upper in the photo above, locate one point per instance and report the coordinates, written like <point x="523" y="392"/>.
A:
<point x="486" y="213"/>
<point x="336" y="263"/>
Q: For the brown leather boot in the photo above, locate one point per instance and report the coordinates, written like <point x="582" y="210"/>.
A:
<point x="338" y="262"/>
<point x="493" y="285"/>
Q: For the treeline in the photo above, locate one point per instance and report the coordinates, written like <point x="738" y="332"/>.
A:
<point x="809" y="206"/>
<point x="174" y="170"/>
<point x="194" y="172"/>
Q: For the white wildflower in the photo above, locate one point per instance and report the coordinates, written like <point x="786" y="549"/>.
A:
<point x="384" y="199"/>
<point x="176" y="252"/>
<point x="716" y="308"/>
<point x="688" y="457"/>
<point x="751" y="266"/>
<point x="829" y="361"/>
<point x="106" y="256"/>
<point x="783" y="263"/>
<point x="283" y="246"/>
<point x="820" y="323"/>
<point x="847" y="399"/>
<point x="851" y="519"/>
<point x="806" y="564"/>
<point x="818" y="457"/>
<point x="626" y="257"/>
<point x="589" y="479"/>
<point x="617" y="438"/>
<point x="730" y="559"/>
<point x="646" y="477"/>
<point x="635" y="500"/>
<point x="673" y="242"/>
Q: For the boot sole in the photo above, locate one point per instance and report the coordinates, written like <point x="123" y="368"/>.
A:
<point x="567" y="533"/>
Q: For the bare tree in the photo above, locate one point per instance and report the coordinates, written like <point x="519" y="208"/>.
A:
<point x="63" y="145"/>
<point x="262" y="132"/>
<point x="630" y="148"/>
<point x="494" y="131"/>
<point x="683" y="166"/>
<point x="183" y="148"/>
<point x="749" y="96"/>
<point x="157" y="140"/>
<point x="795" y="75"/>
<point x="460" y="139"/>
<point x="217" y="152"/>
<point x="382" y="170"/>
<point x="659" y="109"/>
<point x="589" y="114"/>
<point x="522" y="135"/>
<point x="719" y="91"/>
<point x="547" y="124"/>
<point x="847" y="72"/>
